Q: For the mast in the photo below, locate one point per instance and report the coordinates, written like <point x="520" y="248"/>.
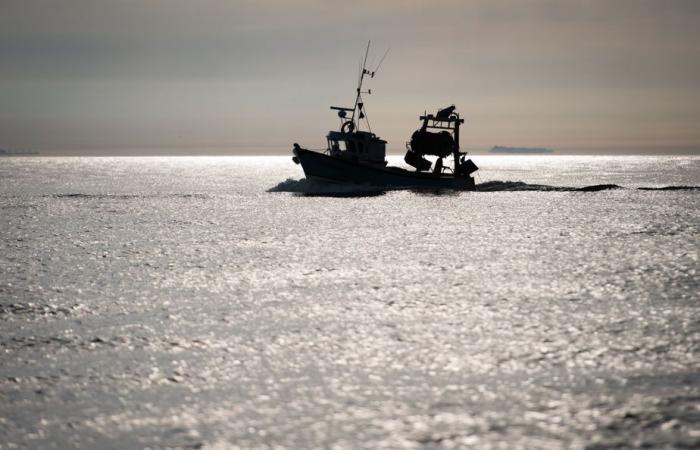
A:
<point x="358" y="97"/>
<point x="358" y="110"/>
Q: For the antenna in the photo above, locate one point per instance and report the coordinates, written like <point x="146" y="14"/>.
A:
<point x="380" y="62"/>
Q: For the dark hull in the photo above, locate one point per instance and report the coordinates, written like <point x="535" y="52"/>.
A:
<point x="327" y="168"/>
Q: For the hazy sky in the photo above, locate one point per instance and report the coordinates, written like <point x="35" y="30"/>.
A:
<point x="186" y="76"/>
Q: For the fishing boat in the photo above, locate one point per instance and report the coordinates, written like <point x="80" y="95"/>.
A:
<point x="355" y="156"/>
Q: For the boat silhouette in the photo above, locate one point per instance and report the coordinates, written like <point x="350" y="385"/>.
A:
<point x="358" y="156"/>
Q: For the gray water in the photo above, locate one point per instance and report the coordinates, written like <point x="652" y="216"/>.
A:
<point x="225" y="303"/>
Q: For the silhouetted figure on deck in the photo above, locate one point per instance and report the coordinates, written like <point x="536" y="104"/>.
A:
<point x="438" y="166"/>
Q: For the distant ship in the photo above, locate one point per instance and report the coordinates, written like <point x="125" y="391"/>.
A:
<point x="359" y="157"/>
<point x="502" y="149"/>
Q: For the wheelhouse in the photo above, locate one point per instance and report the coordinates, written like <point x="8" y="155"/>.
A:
<point x="360" y="146"/>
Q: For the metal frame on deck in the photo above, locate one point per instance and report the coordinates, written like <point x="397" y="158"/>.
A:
<point x="453" y="122"/>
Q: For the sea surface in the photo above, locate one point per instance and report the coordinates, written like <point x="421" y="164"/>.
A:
<point x="227" y="303"/>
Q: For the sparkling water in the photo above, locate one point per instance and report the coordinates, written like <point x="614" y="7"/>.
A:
<point x="228" y="303"/>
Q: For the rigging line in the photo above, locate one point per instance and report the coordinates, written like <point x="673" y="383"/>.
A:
<point x="381" y="61"/>
<point x="373" y="60"/>
<point x="359" y="86"/>
<point x="363" y="113"/>
<point x="359" y="81"/>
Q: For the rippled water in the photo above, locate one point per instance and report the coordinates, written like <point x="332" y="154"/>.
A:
<point x="225" y="303"/>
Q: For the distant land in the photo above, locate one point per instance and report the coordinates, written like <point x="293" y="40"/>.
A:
<point x="4" y="152"/>
<point x="502" y="149"/>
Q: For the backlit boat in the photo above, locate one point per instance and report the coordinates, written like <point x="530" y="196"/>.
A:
<point x="356" y="156"/>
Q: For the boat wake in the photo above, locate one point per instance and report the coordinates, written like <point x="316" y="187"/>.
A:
<point x="312" y="188"/>
<point x="307" y="187"/>
<point x="670" y="188"/>
<point x="501" y="186"/>
<point x="81" y="196"/>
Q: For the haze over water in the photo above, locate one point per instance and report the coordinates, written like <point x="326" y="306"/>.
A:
<point x="114" y="77"/>
<point x="226" y="303"/>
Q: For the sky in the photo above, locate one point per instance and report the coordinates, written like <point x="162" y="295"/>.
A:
<point x="122" y="77"/>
